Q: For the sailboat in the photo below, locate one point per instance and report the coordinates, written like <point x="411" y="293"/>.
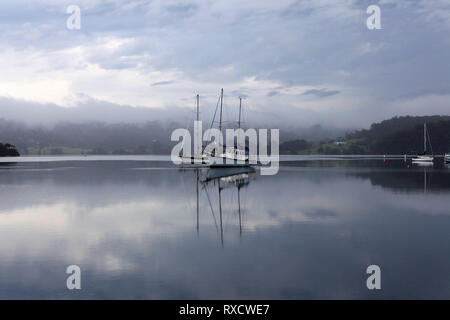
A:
<point x="199" y="158"/>
<point x="424" y="157"/>
<point x="229" y="156"/>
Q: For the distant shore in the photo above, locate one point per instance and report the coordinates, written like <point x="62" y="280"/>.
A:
<point x="8" y="150"/>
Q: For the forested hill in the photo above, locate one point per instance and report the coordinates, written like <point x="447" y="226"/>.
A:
<point x="399" y="135"/>
<point x="398" y="124"/>
<point x="8" y="150"/>
<point x="404" y="135"/>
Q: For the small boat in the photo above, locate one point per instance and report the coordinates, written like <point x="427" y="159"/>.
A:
<point x="424" y="157"/>
<point x="447" y="157"/>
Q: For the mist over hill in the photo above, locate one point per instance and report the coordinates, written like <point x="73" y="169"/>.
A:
<point x="97" y="127"/>
<point x="89" y="138"/>
<point x="151" y="137"/>
<point x="399" y="135"/>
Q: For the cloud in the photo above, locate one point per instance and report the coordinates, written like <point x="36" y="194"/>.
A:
<point x="161" y="83"/>
<point x="126" y="50"/>
<point x="321" y="93"/>
<point x="367" y="47"/>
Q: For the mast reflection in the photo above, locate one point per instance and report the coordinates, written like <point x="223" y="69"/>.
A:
<point x="221" y="179"/>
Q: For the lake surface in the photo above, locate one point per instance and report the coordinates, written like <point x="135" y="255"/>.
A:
<point x="309" y="232"/>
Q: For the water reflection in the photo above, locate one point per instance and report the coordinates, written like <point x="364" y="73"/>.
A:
<point x="224" y="178"/>
<point x="420" y="179"/>
<point x="148" y="230"/>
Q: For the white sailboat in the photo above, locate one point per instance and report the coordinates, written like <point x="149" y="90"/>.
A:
<point x="424" y="158"/>
<point x="229" y="156"/>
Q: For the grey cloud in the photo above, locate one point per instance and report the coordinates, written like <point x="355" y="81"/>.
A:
<point x="300" y="43"/>
<point x="161" y="83"/>
<point x="321" y="93"/>
<point x="240" y="93"/>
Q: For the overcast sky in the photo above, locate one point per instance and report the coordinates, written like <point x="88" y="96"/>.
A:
<point x="301" y="62"/>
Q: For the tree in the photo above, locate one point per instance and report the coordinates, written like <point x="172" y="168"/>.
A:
<point x="8" y="150"/>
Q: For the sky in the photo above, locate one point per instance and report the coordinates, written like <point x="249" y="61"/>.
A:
<point x="293" y="62"/>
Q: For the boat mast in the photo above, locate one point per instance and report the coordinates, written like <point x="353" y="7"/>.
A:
<point x="425" y="138"/>
<point x="240" y="110"/>
<point x="198" y="152"/>
<point x="221" y="104"/>
<point x="198" y="113"/>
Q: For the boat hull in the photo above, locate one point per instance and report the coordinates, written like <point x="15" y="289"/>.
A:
<point x="217" y="173"/>
<point x="423" y="159"/>
<point x="196" y="161"/>
<point x="221" y="162"/>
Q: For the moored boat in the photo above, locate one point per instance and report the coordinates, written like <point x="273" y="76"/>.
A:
<point x="424" y="157"/>
<point x="229" y="156"/>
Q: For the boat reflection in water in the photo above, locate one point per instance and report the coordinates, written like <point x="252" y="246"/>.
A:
<point x="216" y="181"/>
<point x="427" y="176"/>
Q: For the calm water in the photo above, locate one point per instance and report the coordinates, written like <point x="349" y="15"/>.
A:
<point x="309" y="232"/>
